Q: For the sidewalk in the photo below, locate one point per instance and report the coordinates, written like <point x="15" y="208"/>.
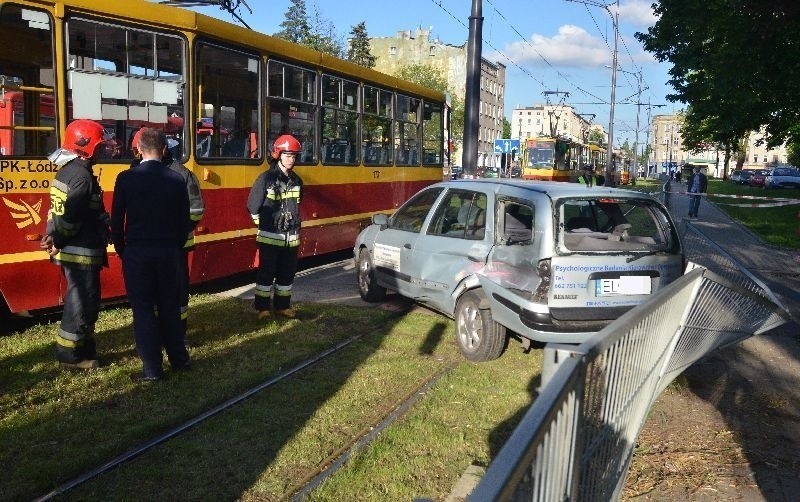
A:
<point x="750" y="392"/>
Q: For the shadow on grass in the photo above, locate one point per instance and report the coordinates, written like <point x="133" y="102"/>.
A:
<point x="58" y="425"/>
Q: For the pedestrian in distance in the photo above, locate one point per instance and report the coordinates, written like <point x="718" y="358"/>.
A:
<point x="696" y="184"/>
<point x="149" y="224"/>
<point x="196" y="210"/>
<point x="274" y="205"/>
<point x="76" y="239"/>
<point x="587" y="176"/>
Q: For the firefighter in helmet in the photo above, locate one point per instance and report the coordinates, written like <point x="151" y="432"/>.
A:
<point x="274" y="205"/>
<point x="76" y="238"/>
<point x="196" y="210"/>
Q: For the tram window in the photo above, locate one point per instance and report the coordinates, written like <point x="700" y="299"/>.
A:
<point x="291" y="92"/>
<point x="432" y="134"/>
<point x="227" y="86"/>
<point x="406" y="131"/>
<point x="286" y="117"/>
<point x="126" y="78"/>
<point x="291" y="82"/>
<point x="340" y="121"/>
<point x="376" y="137"/>
<point x="29" y="66"/>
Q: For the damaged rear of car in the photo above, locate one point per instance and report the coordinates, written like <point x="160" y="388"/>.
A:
<point x="550" y="262"/>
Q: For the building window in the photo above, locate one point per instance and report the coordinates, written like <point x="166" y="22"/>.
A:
<point x="392" y="51"/>
<point x="432" y="50"/>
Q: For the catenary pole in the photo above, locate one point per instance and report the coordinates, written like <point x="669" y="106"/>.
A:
<point x="473" y="91"/>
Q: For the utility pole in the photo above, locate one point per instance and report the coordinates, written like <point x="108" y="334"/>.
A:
<point x="610" y="152"/>
<point x="638" y="76"/>
<point x="615" y="21"/>
<point x="473" y="92"/>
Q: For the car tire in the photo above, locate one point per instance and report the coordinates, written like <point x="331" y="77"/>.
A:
<point x="478" y="336"/>
<point x="368" y="286"/>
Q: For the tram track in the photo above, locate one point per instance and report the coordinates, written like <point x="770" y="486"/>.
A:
<point x="311" y="480"/>
<point x="152" y="443"/>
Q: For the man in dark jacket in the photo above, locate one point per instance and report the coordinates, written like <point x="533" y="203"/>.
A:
<point x="196" y="210"/>
<point x="149" y="224"/>
<point x="76" y="238"/>
<point x="274" y="205"/>
<point x="696" y="185"/>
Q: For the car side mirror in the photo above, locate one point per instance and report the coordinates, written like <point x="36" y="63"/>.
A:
<point x="380" y="219"/>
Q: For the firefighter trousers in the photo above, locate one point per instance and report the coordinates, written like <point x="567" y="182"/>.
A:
<point x="75" y="339"/>
<point x="276" y="264"/>
<point x="153" y="278"/>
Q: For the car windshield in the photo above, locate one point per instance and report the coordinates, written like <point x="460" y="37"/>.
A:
<point x="613" y="225"/>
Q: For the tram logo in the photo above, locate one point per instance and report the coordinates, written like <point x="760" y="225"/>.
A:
<point x="23" y="213"/>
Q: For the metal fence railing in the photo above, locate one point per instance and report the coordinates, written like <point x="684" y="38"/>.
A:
<point x="576" y="441"/>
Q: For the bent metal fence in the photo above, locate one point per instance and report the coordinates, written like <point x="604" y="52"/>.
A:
<point x="577" y="439"/>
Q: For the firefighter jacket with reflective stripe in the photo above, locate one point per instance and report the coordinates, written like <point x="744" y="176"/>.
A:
<point x="274" y="205"/>
<point x="196" y="205"/>
<point x="77" y="220"/>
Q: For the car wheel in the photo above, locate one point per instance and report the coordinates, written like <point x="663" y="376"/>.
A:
<point x="368" y="286"/>
<point x="478" y="336"/>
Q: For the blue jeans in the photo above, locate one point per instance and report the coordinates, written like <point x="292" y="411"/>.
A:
<point x="694" y="204"/>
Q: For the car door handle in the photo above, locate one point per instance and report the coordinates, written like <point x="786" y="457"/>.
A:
<point x="407" y="245"/>
<point x="475" y="258"/>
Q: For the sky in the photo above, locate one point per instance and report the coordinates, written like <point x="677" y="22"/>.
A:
<point x="546" y="45"/>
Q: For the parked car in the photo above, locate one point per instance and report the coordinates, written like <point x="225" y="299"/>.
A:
<point x="491" y="172"/>
<point x="783" y="177"/>
<point x="758" y="178"/>
<point x="736" y="176"/>
<point x="456" y="172"/>
<point x="516" y="172"/>
<point x="549" y="261"/>
<point x="743" y="178"/>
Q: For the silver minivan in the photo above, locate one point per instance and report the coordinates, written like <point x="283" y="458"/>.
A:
<point x="544" y="261"/>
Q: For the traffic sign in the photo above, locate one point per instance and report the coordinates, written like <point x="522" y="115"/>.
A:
<point x="506" y="145"/>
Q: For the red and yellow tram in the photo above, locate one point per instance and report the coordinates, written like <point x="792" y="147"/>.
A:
<point x="224" y="93"/>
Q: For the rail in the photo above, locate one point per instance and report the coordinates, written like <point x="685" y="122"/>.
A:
<point x="576" y="441"/>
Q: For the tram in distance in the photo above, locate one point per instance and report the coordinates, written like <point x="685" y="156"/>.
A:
<point x="223" y="93"/>
<point x="559" y="159"/>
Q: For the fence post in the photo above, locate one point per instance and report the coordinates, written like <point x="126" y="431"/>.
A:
<point x="554" y="355"/>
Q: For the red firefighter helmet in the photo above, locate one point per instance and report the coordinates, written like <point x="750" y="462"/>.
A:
<point x="82" y="137"/>
<point x="285" y="143"/>
<point x="135" y="141"/>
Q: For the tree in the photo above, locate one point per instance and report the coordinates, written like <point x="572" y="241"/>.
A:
<point x="706" y="42"/>
<point x="596" y="136"/>
<point x="506" y="128"/>
<point x="358" y="52"/>
<point x="322" y="35"/>
<point x="424" y="75"/>
<point x="295" y="26"/>
<point x="793" y="154"/>
<point x="316" y="32"/>
<point x="433" y="78"/>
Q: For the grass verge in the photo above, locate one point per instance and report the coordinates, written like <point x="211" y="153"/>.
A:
<point x="57" y="425"/>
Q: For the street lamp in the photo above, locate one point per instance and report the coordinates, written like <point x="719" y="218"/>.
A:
<point x="615" y="20"/>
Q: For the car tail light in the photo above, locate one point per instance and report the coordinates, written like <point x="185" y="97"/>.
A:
<point x="543" y="290"/>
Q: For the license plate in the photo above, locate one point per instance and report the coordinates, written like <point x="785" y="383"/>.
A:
<point x="625" y="285"/>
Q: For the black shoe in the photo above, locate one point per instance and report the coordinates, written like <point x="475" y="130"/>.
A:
<point x="184" y="367"/>
<point x="86" y="364"/>
<point x="145" y="378"/>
